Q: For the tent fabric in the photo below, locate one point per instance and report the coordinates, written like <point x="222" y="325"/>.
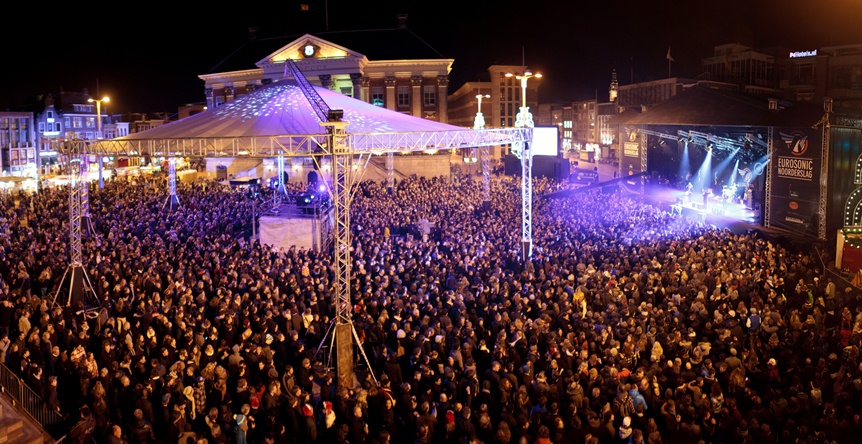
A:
<point x="282" y="109"/>
<point x="701" y="106"/>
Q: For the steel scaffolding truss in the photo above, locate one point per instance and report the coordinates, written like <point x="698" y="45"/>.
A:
<point x="304" y="145"/>
<point x="390" y="172"/>
<point x="80" y="290"/>
<point x="824" y="173"/>
<point x="344" y="150"/>
<point x="173" y="200"/>
<point x="767" y="206"/>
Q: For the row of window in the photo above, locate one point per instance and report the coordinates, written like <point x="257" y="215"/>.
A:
<point x="429" y="95"/>
<point x="71" y="122"/>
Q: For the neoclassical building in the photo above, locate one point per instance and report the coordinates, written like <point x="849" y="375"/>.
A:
<point x="391" y="68"/>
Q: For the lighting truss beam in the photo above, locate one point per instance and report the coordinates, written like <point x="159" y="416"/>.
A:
<point x="658" y="134"/>
<point x="320" y="106"/>
<point x="303" y="145"/>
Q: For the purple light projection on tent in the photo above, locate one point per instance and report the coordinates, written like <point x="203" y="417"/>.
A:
<point x="282" y="109"/>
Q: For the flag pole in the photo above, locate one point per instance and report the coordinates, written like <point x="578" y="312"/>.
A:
<point x="669" y="60"/>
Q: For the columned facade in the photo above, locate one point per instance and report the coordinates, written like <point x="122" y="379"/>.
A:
<point x="416" y="95"/>
<point x="389" y="81"/>
<point x="442" y="98"/>
<point x="418" y="87"/>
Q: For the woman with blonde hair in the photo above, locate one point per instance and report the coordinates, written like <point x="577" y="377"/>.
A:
<point x="99" y="408"/>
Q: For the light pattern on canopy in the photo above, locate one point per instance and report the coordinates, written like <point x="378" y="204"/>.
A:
<point x="282" y="108"/>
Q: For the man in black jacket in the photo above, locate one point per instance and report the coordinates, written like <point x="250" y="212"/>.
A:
<point x="82" y="431"/>
<point x="141" y="431"/>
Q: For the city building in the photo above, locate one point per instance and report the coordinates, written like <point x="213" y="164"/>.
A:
<point x="567" y="133"/>
<point x="833" y="71"/>
<point x="501" y="108"/>
<point x="18" y="147"/>
<point x="752" y="71"/>
<point x="548" y="114"/>
<point x="72" y="116"/>
<point x="607" y="133"/>
<point x="391" y="68"/>
<point x="646" y="94"/>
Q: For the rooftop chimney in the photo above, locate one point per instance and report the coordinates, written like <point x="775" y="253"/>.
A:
<point x="402" y="21"/>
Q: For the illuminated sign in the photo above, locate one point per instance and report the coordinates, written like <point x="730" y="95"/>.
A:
<point x="795" y="168"/>
<point x="798" y="54"/>
<point x="631" y="149"/>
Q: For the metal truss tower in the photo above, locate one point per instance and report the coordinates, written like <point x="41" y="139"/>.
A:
<point x="522" y="149"/>
<point x="344" y="336"/>
<point x="75" y="285"/>
<point x="390" y="173"/>
<point x="86" y="220"/>
<point x="173" y="200"/>
<point x="484" y="155"/>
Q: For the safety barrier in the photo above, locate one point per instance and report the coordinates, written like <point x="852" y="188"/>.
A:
<point x="30" y="401"/>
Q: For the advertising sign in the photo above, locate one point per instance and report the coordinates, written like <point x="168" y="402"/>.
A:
<point x="795" y="193"/>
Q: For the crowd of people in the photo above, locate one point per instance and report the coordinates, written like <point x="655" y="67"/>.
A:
<point x="628" y="324"/>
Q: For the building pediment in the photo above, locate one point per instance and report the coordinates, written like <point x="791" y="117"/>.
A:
<point x="309" y="47"/>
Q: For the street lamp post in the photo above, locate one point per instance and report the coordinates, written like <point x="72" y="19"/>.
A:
<point x="98" y="102"/>
<point x="485" y="155"/>
<point x="525" y="120"/>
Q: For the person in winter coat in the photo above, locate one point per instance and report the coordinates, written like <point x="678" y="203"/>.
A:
<point x="241" y="427"/>
<point x="141" y="431"/>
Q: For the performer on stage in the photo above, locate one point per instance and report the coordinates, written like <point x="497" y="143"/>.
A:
<point x="688" y="187"/>
<point x="705" y="196"/>
<point x="749" y="202"/>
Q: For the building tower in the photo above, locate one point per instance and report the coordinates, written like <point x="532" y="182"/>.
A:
<point x="614" y="85"/>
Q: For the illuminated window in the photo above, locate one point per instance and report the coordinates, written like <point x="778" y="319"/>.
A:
<point x="377" y="96"/>
<point x="429" y="95"/>
<point x="403" y="96"/>
<point x="77" y="122"/>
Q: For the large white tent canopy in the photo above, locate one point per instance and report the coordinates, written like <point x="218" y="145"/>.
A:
<point x="282" y="108"/>
<point x="279" y="120"/>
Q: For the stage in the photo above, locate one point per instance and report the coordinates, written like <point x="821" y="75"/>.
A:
<point x="722" y="211"/>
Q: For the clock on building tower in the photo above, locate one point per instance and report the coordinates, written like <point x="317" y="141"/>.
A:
<point x="309" y="50"/>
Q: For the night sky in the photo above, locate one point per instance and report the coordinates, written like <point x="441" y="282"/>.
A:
<point x="149" y="60"/>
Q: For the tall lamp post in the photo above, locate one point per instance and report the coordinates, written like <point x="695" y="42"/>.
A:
<point x="525" y="120"/>
<point x="484" y="154"/>
<point x="98" y="102"/>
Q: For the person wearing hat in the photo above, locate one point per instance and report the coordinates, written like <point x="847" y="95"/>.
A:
<point x="189" y="399"/>
<point x="326" y="424"/>
<point x="199" y="394"/>
<point x="625" y="430"/>
<point x="732" y="361"/>
<point x="309" y="424"/>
